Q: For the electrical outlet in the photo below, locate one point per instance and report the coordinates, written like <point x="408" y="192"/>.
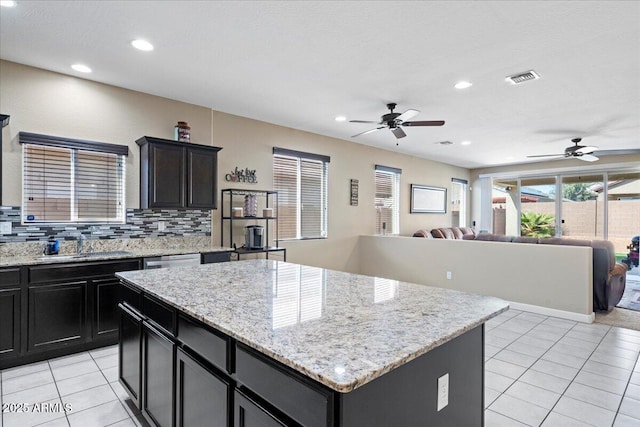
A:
<point x="443" y="391"/>
<point x="5" y="228"/>
<point x="448" y="275"/>
<point x="161" y="225"/>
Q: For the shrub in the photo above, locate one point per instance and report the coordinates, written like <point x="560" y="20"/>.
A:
<point x="537" y="224"/>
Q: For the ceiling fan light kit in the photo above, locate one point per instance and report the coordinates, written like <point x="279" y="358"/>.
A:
<point x="393" y="121"/>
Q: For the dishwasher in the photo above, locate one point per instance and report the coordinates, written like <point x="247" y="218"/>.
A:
<point x="168" y="261"/>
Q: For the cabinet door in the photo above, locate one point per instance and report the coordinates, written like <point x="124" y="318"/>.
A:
<point x="166" y="176"/>
<point x="57" y="315"/>
<point x="130" y="346"/>
<point x="105" y="308"/>
<point x="200" y="395"/>
<point x="248" y="413"/>
<point x="202" y="172"/>
<point x="158" y="374"/>
<point x="9" y="322"/>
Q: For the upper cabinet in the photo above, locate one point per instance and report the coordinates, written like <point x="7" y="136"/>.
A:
<point x="177" y="174"/>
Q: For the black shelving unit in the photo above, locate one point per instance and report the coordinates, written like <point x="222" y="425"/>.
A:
<point x="270" y="198"/>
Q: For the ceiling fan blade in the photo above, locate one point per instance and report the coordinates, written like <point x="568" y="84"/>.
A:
<point x="399" y="133"/>
<point x="548" y="155"/>
<point x="368" y="131"/>
<point x="363" y="121"/>
<point x="616" y="152"/>
<point x="587" y="158"/>
<point x="586" y="150"/>
<point x="408" y="115"/>
<point x="424" y="123"/>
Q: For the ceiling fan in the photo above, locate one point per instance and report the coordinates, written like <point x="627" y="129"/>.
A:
<point x="586" y="152"/>
<point x="393" y="121"/>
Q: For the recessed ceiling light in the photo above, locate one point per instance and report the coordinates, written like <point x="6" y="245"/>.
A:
<point x="8" y="3"/>
<point x="465" y="143"/>
<point x="341" y="119"/>
<point x="81" y="68"/>
<point x="142" y="45"/>
<point x="462" y="85"/>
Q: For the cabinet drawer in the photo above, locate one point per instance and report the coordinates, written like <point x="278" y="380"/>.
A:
<point x="159" y="313"/>
<point x="130" y="295"/>
<point x="306" y="403"/>
<point x="9" y="276"/>
<point x="69" y="271"/>
<point x="211" y="346"/>
<point x="213" y="257"/>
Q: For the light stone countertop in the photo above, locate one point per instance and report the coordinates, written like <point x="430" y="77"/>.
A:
<point x="28" y="254"/>
<point x="340" y="329"/>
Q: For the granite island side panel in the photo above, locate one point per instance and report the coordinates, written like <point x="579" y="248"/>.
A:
<point x="340" y="329"/>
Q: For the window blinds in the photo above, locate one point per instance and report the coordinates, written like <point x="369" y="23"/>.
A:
<point x="301" y="180"/>
<point x="387" y="181"/>
<point x="72" y="185"/>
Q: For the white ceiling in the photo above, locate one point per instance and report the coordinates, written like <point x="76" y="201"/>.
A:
<point x="301" y="63"/>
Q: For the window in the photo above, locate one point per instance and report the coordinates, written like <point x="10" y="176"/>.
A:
<point x="458" y="202"/>
<point x="301" y="180"/>
<point x="71" y="181"/>
<point x="387" y="200"/>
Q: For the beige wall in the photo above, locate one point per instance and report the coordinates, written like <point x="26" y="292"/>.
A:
<point x="523" y="273"/>
<point x="49" y="103"/>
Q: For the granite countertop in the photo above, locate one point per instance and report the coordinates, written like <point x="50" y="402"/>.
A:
<point x="98" y="255"/>
<point x="341" y="329"/>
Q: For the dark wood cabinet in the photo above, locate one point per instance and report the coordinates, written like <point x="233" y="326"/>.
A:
<point x="4" y="120"/>
<point x="201" y="394"/>
<point x="177" y="174"/>
<point x="105" y="313"/>
<point x="9" y="312"/>
<point x="248" y="413"/>
<point x="158" y="374"/>
<point x="130" y="346"/>
<point x="50" y="310"/>
<point x="57" y="315"/>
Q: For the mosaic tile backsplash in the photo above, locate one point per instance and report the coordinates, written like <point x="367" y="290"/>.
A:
<point x="140" y="223"/>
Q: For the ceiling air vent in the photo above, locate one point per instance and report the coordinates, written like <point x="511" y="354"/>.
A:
<point x="523" y="77"/>
<point x="444" y="143"/>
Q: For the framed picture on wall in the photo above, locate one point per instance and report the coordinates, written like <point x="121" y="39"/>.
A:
<point x="427" y="199"/>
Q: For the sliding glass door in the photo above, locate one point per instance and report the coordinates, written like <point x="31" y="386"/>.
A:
<point x="623" y="202"/>
<point x="538" y="207"/>
<point x="582" y="209"/>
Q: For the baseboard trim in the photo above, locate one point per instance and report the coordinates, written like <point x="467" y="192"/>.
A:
<point x="569" y="315"/>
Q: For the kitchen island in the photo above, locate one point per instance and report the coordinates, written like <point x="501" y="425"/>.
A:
<point x="263" y="342"/>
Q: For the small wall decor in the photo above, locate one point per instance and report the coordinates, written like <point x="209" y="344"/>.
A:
<point x="242" y="175"/>
<point x="354" y="192"/>
<point x="427" y="199"/>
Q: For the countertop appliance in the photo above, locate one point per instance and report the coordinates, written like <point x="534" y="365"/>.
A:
<point x="254" y="237"/>
<point x="168" y="261"/>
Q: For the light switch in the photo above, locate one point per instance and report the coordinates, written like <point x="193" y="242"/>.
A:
<point x="448" y="275"/>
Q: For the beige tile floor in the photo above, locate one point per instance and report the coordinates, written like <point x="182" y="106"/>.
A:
<point x="540" y="371"/>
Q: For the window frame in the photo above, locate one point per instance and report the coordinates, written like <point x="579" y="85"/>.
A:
<point x="300" y="157"/>
<point x="396" y="174"/>
<point x="78" y="168"/>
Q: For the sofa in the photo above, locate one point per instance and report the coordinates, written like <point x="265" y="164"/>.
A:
<point x="609" y="276"/>
<point x="446" y="233"/>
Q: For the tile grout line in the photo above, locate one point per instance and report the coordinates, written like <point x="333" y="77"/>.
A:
<point x="114" y="392"/>
<point x="55" y="383"/>
<point x="625" y="391"/>
<point x="574" y="377"/>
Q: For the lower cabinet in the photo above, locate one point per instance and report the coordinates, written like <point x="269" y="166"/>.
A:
<point x="157" y="377"/>
<point x="105" y="317"/>
<point x="9" y="322"/>
<point x="201" y="394"/>
<point x="248" y="413"/>
<point x="130" y="345"/>
<point x="57" y="315"/>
